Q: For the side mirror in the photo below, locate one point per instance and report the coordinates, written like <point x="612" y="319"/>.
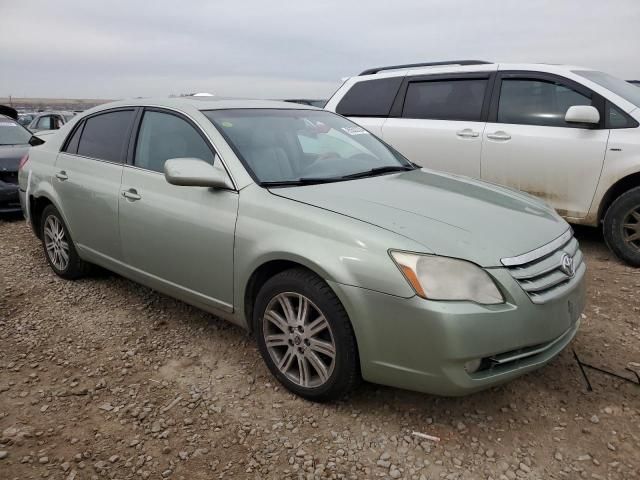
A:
<point x="582" y="114"/>
<point x="193" y="172"/>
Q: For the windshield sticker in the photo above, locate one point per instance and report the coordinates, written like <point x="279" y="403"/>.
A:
<point x="355" y="131"/>
<point x="227" y="124"/>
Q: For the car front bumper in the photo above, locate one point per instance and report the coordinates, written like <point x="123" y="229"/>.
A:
<point x="424" y="345"/>
<point x="9" y="201"/>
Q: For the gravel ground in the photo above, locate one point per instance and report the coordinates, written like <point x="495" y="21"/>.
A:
<point x="103" y="378"/>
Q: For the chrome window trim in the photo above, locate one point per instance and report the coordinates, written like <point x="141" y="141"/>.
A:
<point x="91" y="158"/>
<point x="538" y="252"/>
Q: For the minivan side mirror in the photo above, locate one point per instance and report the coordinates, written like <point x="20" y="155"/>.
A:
<point x="582" y="114"/>
<point x="193" y="172"/>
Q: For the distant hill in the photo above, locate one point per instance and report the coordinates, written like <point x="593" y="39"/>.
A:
<point x="52" y="103"/>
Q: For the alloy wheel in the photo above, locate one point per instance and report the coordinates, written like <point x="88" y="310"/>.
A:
<point x="631" y="228"/>
<point x="56" y="243"/>
<point x="299" y="339"/>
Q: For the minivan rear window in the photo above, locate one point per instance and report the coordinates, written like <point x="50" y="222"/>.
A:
<point x="370" y="98"/>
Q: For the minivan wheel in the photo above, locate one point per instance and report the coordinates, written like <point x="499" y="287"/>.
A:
<point x="305" y="336"/>
<point x="59" y="250"/>
<point x="622" y="227"/>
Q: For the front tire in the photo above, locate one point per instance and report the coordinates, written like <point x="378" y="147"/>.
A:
<point x="305" y="336"/>
<point x="58" y="246"/>
<point x="622" y="227"/>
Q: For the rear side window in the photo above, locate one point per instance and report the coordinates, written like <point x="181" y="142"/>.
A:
<point x="370" y="98"/>
<point x="537" y="102"/>
<point x="72" y="143"/>
<point x="164" y="136"/>
<point x="105" y="136"/>
<point x="445" y="100"/>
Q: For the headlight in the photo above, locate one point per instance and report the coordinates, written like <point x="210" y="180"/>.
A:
<point x="442" y="278"/>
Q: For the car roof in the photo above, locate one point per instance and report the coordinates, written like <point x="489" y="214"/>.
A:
<point x="204" y="103"/>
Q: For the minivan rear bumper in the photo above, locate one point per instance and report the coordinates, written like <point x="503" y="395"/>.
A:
<point x="424" y="345"/>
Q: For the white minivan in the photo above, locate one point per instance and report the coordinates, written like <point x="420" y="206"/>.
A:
<point x="569" y="135"/>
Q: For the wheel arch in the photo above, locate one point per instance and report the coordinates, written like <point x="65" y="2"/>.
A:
<point x="618" y="188"/>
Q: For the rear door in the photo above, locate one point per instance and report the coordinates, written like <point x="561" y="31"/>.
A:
<point x="87" y="179"/>
<point x="438" y="120"/>
<point x="176" y="239"/>
<point x="527" y="144"/>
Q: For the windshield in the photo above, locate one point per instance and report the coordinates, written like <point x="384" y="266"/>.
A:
<point x="304" y="146"/>
<point x="618" y="86"/>
<point x="12" y="133"/>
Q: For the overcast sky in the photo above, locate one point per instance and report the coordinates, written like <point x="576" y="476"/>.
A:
<point x="270" y="48"/>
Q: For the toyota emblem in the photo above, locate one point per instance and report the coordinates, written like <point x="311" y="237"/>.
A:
<point x="566" y="265"/>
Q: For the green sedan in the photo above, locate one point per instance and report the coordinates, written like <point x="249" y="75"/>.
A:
<point x="345" y="260"/>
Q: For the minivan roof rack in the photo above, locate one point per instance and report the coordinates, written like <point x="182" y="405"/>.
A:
<point x="371" y="71"/>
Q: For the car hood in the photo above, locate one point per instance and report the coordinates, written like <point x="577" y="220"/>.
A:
<point x="450" y="215"/>
<point x="10" y="156"/>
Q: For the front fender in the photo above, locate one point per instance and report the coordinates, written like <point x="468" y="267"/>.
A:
<point x="336" y="247"/>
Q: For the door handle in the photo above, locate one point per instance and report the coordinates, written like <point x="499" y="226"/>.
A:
<point x="467" y="133"/>
<point x="499" y="135"/>
<point x="131" y="194"/>
<point x="62" y="175"/>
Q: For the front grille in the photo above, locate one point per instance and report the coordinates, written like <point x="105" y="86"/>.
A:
<point x="9" y="177"/>
<point x="541" y="274"/>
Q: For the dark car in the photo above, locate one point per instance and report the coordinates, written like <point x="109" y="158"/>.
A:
<point x="14" y="145"/>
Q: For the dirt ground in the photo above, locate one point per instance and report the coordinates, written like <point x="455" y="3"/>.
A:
<point x="103" y="378"/>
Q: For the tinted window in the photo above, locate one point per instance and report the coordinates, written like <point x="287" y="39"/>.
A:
<point x="537" y="102"/>
<point x="163" y="136"/>
<point x="72" y="143"/>
<point x="105" y="136"/>
<point x="371" y="98"/>
<point x="445" y="100"/>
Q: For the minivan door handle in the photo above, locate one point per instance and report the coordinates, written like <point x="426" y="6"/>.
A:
<point x="499" y="135"/>
<point x="62" y="175"/>
<point x="131" y="194"/>
<point x="467" y="133"/>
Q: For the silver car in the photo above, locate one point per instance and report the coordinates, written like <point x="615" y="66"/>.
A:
<point x="343" y="258"/>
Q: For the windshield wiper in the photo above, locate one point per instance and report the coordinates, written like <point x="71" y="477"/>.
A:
<point x="381" y="170"/>
<point x="301" y="181"/>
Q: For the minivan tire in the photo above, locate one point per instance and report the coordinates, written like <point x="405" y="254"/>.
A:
<point x="75" y="267"/>
<point x="625" y="208"/>
<point x="291" y="286"/>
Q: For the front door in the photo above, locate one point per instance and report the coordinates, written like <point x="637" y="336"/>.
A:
<point x="527" y="144"/>
<point x="176" y="239"/>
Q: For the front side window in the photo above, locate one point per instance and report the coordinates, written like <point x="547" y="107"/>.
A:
<point x="304" y="146"/>
<point x="445" y="100"/>
<point x="537" y="102"/>
<point x="164" y="136"/>
<point x="12" y="133"/>
<point x="105" y="136"/>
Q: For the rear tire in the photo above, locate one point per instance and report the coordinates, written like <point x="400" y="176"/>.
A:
<point x="58" y="246"/>
<point x="305" y="336"/>
<point x="622" y="227"/>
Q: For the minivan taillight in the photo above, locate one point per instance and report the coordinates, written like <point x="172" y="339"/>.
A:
<point x="23" y="160"/>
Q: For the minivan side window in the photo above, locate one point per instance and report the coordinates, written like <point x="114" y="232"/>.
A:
<point x="370" y="98"/>
<point x="163" y="136"/>
<point x="105" y="136"/>
<point x="445" y="100"/>
<point x="537" y="102"/>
